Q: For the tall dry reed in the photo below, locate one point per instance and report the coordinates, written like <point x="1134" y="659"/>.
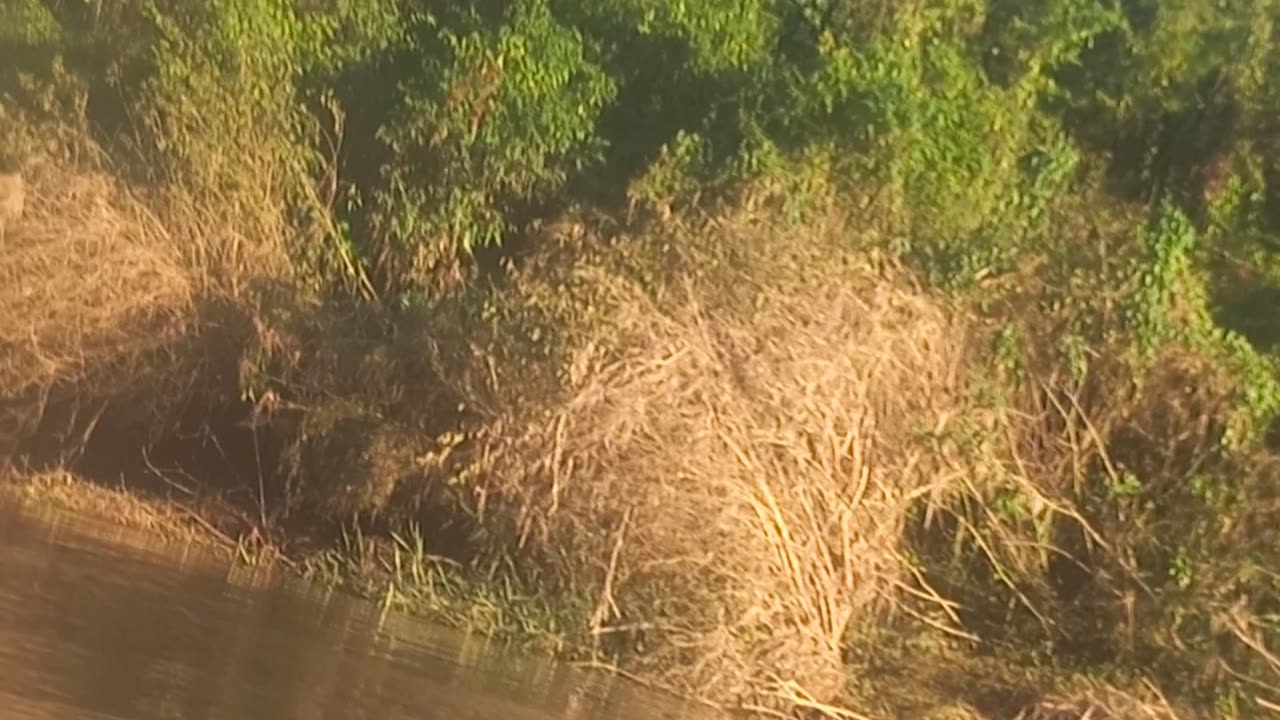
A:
<point x="732" y="456"/>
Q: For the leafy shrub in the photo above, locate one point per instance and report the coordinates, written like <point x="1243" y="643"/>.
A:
<point x="234" y="105"/>
<point x="494" y="124"/>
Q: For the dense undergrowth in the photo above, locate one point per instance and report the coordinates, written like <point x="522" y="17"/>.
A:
<point x="748" y="344"/>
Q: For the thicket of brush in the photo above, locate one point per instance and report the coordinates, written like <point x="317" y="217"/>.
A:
<point x="737" y="332"/>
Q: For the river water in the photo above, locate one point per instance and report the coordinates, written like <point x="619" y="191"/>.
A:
<point x="98" y="623"/>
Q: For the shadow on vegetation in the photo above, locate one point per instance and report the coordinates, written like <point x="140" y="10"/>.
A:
<point x="1255" y="314"/>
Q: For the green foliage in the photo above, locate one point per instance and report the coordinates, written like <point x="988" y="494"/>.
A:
<point x="26" y="23"/>
<point x="1172" y="89"/>
<point x="1171" y="306"/>
<point x="1257" y="395"/>
<point x="1167" y="247"/>
<point x="1009" y="350"/>
<point x="225" y="106"/>
<point x="240" y="109"/>
<point x="719" y="35"/>
<point x="973" y="165"/>
<point x="1036" y="42"/>
<point x="232" y="82"/>
<point x="676" y="173"/>
<point x="1187" y="42"/>
<point x="496" y="122"/>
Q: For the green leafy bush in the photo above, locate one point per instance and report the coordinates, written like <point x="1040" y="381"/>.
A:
<point x="496" y="123"/>
<point x="241" y="115"/>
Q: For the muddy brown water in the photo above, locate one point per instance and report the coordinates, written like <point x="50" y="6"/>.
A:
<point x="98" y="623"/>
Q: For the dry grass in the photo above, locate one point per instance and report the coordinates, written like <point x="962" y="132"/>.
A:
<point x="63" y="491"/>
<point x="733" y="458"/>
<point x="96" y="304"/>
<point x="109" y="296"/>
<point x="13" y="199"/>
<point x="89" y="278"/>
<point x="1251" y="632"/>
<point x="1103" y="702"/>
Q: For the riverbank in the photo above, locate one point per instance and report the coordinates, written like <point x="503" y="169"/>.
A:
<point x="734" y="343"/>
<point x="62" y="491"/>
<point x="899" y="676"/>
<point x="776" y="409"/>
<point x="383" y="569"/>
